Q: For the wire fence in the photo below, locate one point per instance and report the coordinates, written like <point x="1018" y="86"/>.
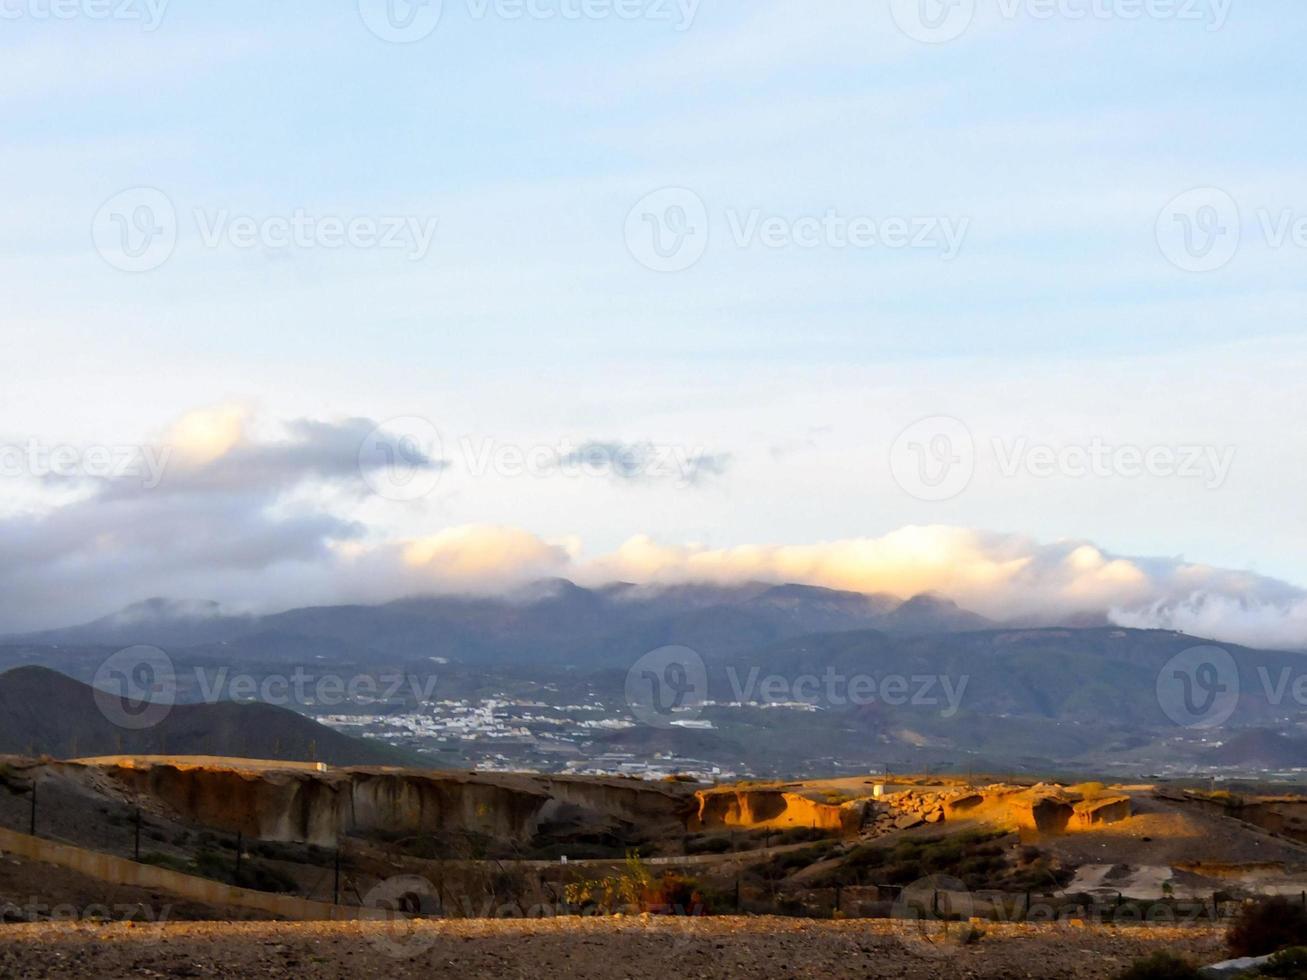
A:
<point x="465" y="875"/>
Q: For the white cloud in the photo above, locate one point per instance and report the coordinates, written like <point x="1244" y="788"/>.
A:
<point x="259" y="514"/>
<point x="1003" y="576"/>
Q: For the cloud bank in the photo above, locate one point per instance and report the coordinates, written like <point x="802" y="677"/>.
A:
<point x="268" y="517"/>
<point x="1001" y="575"/>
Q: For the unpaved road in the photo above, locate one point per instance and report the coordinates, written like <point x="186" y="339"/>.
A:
<point x="575" y="948"/>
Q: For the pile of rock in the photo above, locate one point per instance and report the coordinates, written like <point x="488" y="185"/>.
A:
<point x="903" y="811"/>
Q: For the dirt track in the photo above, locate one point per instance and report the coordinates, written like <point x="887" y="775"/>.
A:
<point x="580" y="948"/>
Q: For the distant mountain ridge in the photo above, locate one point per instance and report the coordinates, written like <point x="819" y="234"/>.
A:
<point x="1261" y="748"/>
<point x="157" y="621"/>
<point x="552" y="622"/>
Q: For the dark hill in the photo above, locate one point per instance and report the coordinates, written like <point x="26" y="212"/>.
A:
<point x="42" y="712"/>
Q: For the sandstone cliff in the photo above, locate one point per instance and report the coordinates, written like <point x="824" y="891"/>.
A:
<point x="770" y="808"/>
<point x="304" y="805"/>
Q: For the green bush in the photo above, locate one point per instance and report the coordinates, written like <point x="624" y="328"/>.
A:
<point x="708" y="845"/>
<point x="1291" y="964"/>
<point x="904" y="873"/>
<point x="167" y="861"/>
<point x="263" y="878"/>
<point x="253" y="874"/>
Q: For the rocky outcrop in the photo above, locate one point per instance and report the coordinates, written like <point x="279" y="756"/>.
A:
<point x="316" y="807"/>
<point x="960" y="806"/>
<point x="1050" y="809"/>
<point x="1046" y="813"/>
<point x="771" y="808"/>
<point x="1102" y="810"/>
<point x="1045" y="808"/>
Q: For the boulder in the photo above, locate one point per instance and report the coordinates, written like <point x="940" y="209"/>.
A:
<point x="1234" y="968"/>
<point x="961" y="804"/>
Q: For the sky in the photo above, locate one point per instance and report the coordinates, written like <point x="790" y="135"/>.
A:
<point x="308" y="302"/>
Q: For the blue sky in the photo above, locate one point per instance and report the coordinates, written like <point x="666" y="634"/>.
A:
<point x="1053" y="143"/>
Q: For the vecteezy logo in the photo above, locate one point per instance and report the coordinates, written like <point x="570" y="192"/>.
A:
<point x="136" y="687"/>
<point x="667" y="231"/>
<point x="395" y="901"/>
<point x="934" y="459"/>
<point x="401" y="459"/>
<point x="930" y="914"/>
<point x="401" y="21"/>
<point x="1199" y="687"/>
<point x="667" y="686"/>
<point x="1200" y="231"/>
<point x="933" y="21"/>
<point x="136" y="229"/>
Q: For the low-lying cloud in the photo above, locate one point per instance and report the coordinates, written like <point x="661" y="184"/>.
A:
<point x="270" y="518"/>
<point x="1007" y="577"/>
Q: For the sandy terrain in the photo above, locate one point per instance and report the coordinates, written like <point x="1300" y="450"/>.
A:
<point x="581" y="948"/>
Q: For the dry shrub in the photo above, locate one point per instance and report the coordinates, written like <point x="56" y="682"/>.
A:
<point x="1161" y="966"/>
<point x="1267" y="926"/>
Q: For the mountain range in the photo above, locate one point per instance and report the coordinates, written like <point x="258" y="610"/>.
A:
<point x="552" y="622"/>
<point x="1081" y="695"/>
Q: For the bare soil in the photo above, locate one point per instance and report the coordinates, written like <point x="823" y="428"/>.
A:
<point x="34" y="892"/>
<point x="762" y="948"/>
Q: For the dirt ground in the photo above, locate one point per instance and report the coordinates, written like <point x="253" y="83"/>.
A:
<point x="1163" y="832"/>
<point x="583" y="948"/>
<point x="35" y="892"/>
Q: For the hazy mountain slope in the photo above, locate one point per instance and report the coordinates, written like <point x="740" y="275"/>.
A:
<point x="158" y="622"/>
<point x="1091" y="675"/>
<point x="44" y="712"/>
<point x="550" y="622"/>
<point x="1260" y="748"/>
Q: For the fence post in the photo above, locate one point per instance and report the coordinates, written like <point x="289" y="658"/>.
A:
<point x="137" y="849"/>
<point x="335" y="887"/>
<point x="838" y="891"/>
<point x="31" y="829"/>
<point x="737" y="893"/>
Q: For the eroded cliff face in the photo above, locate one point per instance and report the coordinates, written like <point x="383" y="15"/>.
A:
<point x="1044" y="808"/>
<point x="1284" y="815"/>
<point x="1103" y="810"/>
<point x="1052" y="810"/>
<point x="316" y="807"/>
<point x="770" y="808"/>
